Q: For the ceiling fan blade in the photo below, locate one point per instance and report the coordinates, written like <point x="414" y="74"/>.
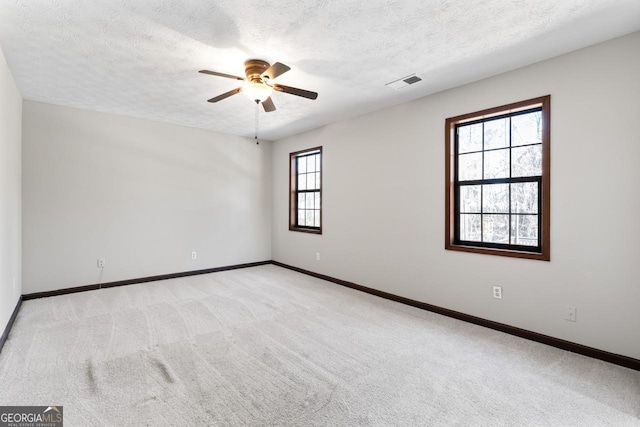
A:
<point x="225" y="95"/>
<point x="215" y="73"/>
<point x="295" y="91"/>
<point x="268" y="105"/>
<point x="275" y="70"/>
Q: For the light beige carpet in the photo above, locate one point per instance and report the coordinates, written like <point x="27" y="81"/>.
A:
<point x="267" y="346"/>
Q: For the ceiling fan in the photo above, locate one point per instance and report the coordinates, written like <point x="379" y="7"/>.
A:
<point x="258" y="83"/>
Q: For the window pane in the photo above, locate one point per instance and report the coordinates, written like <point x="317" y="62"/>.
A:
<point x="469" y="167"/>
<point x="317" y="187"/>
<point x="496" y="164"/>
<point x="302" y="181"/>
<point x="301" y="217"/>
<point x="524" y="230"/>
<point x="316" y="201"/>
<point x="495" y="198"/>
<point x="301" y="202"/>
<point x="526" y="129"/>
<point x="496" y="133"/>
<point x="302" y="164"/>
<point x="311" y="181"/>
<point x="310" y="201"/>
<point x="495" y="228"/>
<point x="317" y="156"/>
<point x="316" y="218"/>
<point x="470" y="198"/>
<point x="526" y="161"/>
<point x="470" y="227"/>
<point x="309" y="218"/>
<point x="311" y="163"/>
<point x="470" y="138"/>
<point x="524" y="197"/>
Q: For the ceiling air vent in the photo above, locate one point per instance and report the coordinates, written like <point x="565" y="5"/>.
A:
<point x="404" y="82"/>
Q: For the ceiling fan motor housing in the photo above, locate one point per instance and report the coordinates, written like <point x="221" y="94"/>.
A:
<point x="254" y="68"/>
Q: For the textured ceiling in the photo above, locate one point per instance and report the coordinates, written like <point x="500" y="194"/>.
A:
<point x="140" y="58"/>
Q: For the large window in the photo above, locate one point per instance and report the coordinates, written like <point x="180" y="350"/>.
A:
<point x="305" y="201"/>
<point x="497" y="166"/>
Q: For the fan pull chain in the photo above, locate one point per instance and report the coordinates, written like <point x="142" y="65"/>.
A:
<point x="257" y="111"/>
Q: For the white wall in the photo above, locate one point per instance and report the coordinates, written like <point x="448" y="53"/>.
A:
<point x="10" y="194"/>
<point x="140" y="194"/>
<point x="384" y="202"/>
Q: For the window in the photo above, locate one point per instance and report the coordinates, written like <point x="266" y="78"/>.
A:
<point x="305" y="201"/>
<point x="497" y="172"/>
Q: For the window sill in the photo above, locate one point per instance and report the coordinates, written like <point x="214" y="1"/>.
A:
<point x="305" y="230"/>
<point x="544" y="256"/>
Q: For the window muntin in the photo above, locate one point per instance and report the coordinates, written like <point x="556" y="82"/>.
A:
<point x="306" y="191"/>
<point x="498" y="181"/>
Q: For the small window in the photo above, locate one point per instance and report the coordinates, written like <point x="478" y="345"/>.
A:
<point x="497" y="171"/>
<point x="305" y="201"/>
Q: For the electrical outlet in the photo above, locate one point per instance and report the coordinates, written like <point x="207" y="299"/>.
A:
<point x="497" y="292"/>
<point x="570" y="314"/>
<point x="194" y="255"/>
<point x="317" y="256"/>
<point x="101" y="262"/>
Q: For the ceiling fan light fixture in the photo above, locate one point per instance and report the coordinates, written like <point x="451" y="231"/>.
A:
<point x="257" y="91"/>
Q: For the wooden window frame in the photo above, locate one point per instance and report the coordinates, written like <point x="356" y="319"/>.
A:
<point x="293" y="192"/>
<point x="544" y="233"/>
